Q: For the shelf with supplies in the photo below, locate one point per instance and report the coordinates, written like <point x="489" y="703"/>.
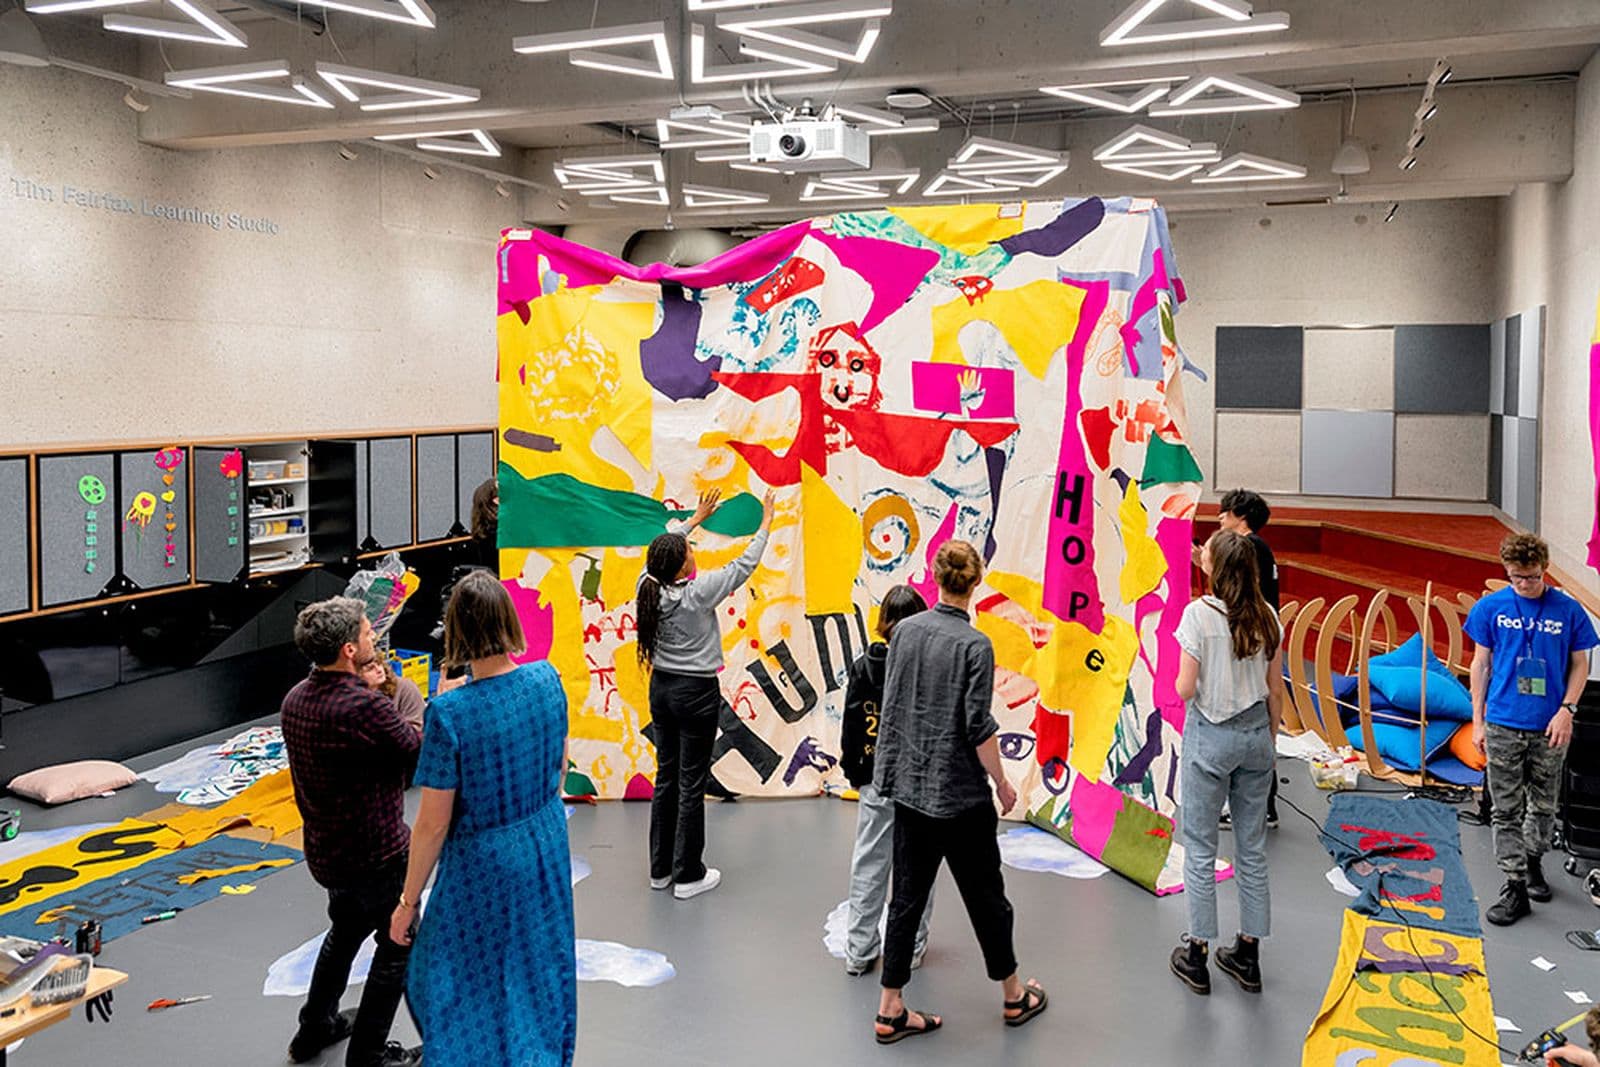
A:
<point x="274" y="538"/>
<point x="277" y="513"/>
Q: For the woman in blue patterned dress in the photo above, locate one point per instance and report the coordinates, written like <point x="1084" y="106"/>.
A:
<point x="492" y="977"/>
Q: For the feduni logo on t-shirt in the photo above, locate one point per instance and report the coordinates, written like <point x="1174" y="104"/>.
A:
<point x="1531" y="641"/>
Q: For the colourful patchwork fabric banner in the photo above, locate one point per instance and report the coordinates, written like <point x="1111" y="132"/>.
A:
<point x="1010" y="377"/>
<point x="1410" y="985"/>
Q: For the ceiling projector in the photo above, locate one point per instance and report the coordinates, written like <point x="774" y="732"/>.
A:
<point x="801" y="144"/>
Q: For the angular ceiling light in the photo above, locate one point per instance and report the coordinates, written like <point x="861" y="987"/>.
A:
<point x="711" y="196"/>
<point x="1094" y="93"/>
<point x="1232" y="17"/>
<point x="1166" y="171"/>
<point x="878" y="123"/>
<point x="205" y="26"/>
<point x="409" y="12"/>
<point x="949" y="183"/>
<point x="736" y="159"/>
<point x="1208" y="95"/>
<point x="604" y="175"/>
<point x="408" y="92"/>
<point x="780" y="26"/>
<point x="721" y="5"/>
<point x="245" y="79"/>
<point x="468" y="142"/>
<point x="859" y="185"/>
<point x="703" y="133"/>
<point x="779" y="63"/>
<point x="1244" y="167"/>
<point x="581" y="48"/>
<point x="985" y="165"/>
<point x="984" y="154"/>
<point x="1139" y="144"/>
<point x="57" y="7"/>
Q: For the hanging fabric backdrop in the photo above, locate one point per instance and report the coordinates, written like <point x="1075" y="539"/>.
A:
<point x="1009" y="377"/>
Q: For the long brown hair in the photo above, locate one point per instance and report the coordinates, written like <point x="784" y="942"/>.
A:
<point x="486" y="511"/>
<point x="1236" y="581"/>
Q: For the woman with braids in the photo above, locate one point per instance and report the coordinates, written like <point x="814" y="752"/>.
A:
<point x="680" y="643"/>
<point x="1231" y="677"/>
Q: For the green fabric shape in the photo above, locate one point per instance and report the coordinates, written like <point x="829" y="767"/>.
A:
<point x="559" y="511"/>
<point x="1167" y="462"/>
<point x="1139" y="843"/>
<point x="1045" y="819"/>
<point x="578" y="785"/>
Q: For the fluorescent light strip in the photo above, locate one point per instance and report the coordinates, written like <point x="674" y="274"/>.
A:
<point x="486" y="145"/>
<point x="714" y="132"/>
<point x="1235" y="17"/>
<point x="1270" y="95"/>
<point x="964" y="157"/>
<point x="721" y="5"/>
<point x="807" y="15"/>
<point x="656" y="197"/>
<point x="879" y="123"/>
<point x="581" y="44"/>
<point x="61" y="7"/>
<point x="216" y="29"/>
<point x="412" y="92"/>
<point x="929" y="125"/>
<point x="779" y="54"/>
<point x="859" y="186"/>
<point x="1148" y="170"/>
<point x="949" y="183"/>
<point x="660" y="69"/>
<point x="754" y="168"/>
<point x="711" y="196"/>
<point x="826" y="46"/>
<point x="1118" y="145"/>
<point x="1111" y="101"/>
<point x="229" y="81"/>
<point x="781" y="67"/>
<point x="409" y="12"/>
<point x="1244" y="167"/>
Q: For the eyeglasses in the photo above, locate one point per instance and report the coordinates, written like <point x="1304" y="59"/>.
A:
<point x="1519" y="578"/>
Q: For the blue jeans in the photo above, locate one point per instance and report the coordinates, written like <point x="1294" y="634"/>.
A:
<point x="1230" y="762"/>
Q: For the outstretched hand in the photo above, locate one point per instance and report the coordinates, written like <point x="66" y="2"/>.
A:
<point x="707" y="505"/>
<point x="766" y="508"/>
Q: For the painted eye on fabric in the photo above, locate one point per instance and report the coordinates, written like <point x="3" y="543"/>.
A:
<point x="1016" y="745"/>
<point x="827" y="359"/>
<point x="856" y="366"/>
<point x="1056" y="776"/>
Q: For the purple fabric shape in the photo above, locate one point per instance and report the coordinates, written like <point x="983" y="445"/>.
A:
<point x="521" y="281"/>
<point x="667" y="356"/>
<point x="893" y="269"/>
<point x="995" y="460"/>
<point x="1060" y="233"/>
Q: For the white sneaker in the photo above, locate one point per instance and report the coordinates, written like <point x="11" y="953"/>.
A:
<point x="660" y="883"/>
<point x="685" y="890"/>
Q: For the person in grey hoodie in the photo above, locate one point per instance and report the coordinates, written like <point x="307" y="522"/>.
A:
<point x="680" y="644"/>
<point x="873" y="857"/>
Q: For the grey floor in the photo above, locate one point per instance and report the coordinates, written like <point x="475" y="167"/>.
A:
<point x="755" y="985"/>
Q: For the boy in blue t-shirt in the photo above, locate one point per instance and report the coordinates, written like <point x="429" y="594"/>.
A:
<point x="1528" y="670"/>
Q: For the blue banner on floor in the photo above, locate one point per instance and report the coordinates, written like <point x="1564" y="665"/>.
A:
<point x="1405" y="857"/>
<point x="150" y="888"/>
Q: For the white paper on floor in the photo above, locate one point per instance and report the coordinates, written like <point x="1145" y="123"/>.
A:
<point x="1577" y="997"/>
<point x="835" y="929"/>
<point x="1505" y="1025"/>
<point x="1341" y="881"/>
<point x="1307" y="746"/>
<point x="1028" y="848"/>
<point x="1542" y="963"/>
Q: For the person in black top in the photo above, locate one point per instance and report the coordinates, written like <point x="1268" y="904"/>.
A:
<point x="1243" y="511"/>
<point x="871" y="861"/>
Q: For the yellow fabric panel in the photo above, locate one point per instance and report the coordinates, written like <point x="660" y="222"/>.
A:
<point x="1385" y="1020"/>
<point x="267" y="804"/>
<point x="832" y="536"/>
<point x="1037" y="319"/>
<point x="558" y="592"/>
<point x="581" y="361"/>
<point x="1086" y="675"/>
<point x="968" y="228"/>
<point x="32" y="877"/>
<point x="1145" y="564"/>
<point x="619" y="577"/>
<point x="1013" y="649"/>
<point x="224" y="872"/>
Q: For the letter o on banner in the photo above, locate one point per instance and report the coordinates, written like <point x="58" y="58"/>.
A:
<point x="1073" y="550"/>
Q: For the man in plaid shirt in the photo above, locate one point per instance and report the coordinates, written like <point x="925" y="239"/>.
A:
<point x="350" y="755"/>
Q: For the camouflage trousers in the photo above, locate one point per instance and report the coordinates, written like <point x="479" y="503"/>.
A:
<point x="1524" y="787"/>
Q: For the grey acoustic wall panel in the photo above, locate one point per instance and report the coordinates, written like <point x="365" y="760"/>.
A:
<point x="78" y="524"/>
<point x="1508" y="393"/>
<point x="387" y="492"/>
<point x="364" y="539"/>
<point x="1349" y="369"/>
<point x="1530" y="363"/>
<point x="1347" y="453"/>
<point x="1497" y="367"/>
<point x="1527" y="511"/>
<point x="1441" y="457"/>
<point x="16" y="574"/>
<point x="474" y="464"/>
<point x="1497" y="429"/>
<point x="144" y="542"/>
<point x="1508" y="466"/>
<point x="220" y="514"/>
<point x="1259" y="366"/>
<point x="1442" y="369"/>
<point x="436" y="486"/>
<point x="1258" y="449"/>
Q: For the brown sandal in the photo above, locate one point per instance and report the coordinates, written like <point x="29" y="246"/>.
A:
<point x="1024" y="1012"/>
<point x="901" y="1028"/>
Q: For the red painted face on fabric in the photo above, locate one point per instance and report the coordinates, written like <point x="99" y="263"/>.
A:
<point x="848" y="368"/>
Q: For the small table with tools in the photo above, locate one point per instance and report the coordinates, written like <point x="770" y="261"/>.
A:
<point x="30" y="1020"/>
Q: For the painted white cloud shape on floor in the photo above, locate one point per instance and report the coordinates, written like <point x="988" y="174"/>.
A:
<point x="608" y="961"/>
<point x="1028" y="848"/>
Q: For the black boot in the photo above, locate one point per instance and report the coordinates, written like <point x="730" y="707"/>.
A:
<point x="1242" y="963"/>
<point x="1513" y="904"/>
<point x="1538" y="888"/>
<point x="1189" y="964"/>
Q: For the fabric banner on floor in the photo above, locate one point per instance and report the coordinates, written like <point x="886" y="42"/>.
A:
<point x="1006" y="375"/>
<point x="1410" y="985"/>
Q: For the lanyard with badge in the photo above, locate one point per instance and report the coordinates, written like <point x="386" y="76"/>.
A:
<point x="1530" y="668"/>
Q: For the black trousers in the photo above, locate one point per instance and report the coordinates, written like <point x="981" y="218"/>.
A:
<point x="684" y="709"/>
<point x="968" y="844"/>
<point x="356" y="913"/>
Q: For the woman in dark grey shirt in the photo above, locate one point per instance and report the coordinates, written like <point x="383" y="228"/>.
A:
<point x="937" y="752"/>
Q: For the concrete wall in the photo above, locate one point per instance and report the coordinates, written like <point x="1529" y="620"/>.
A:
<point x="1339" y="265"/>
<point x="1549" y="253"/>
<point x="371" y="307"/>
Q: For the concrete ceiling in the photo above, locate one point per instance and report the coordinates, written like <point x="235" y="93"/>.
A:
<point x="1505" y="117"/>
